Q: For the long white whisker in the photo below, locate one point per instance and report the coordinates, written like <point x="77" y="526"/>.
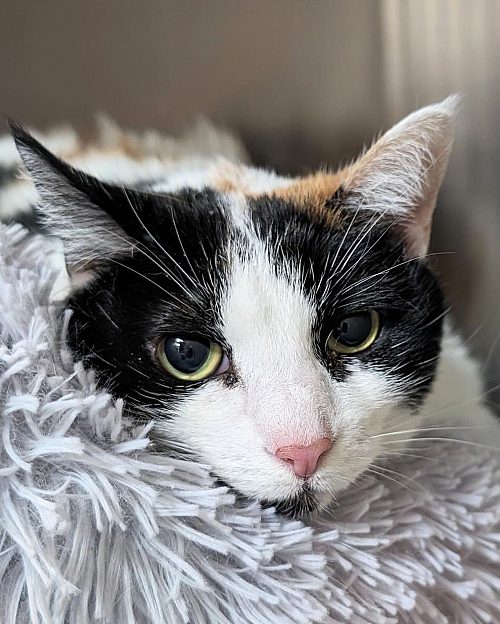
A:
<point x="365" y="231"/>
<point x="182" y="247"/>
<point x="423" y="429"/>
<point x="399" y="474"/>
<point x="374" y="471"/>
<point x="441" y="439"/>
<point x="452" y="406"/>
<point x="394" y="266"/>
<point x="170" y="295"/>
<point x="155" y="240"/>
<point x="158" y="262"/>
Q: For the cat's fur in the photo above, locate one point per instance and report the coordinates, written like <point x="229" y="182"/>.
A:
<point x="262" y="264"/>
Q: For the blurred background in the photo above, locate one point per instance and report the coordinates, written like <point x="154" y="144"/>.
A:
<point x="304" y="82"/>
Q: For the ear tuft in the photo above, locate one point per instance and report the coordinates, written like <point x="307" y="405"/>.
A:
<point x="68" y="207"/>
<point x="401" y="173"/>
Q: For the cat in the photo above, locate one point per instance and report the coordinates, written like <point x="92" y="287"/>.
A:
<point x="289" y="332"/>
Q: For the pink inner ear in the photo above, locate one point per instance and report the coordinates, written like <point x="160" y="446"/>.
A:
<point x="417" y="237"/>
<point x="402" y="172"/>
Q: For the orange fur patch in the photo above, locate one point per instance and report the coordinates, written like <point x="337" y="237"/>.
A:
<point x="314" y="190"/>
<point x="229" y="178"/>
<point x="312" y="193"/>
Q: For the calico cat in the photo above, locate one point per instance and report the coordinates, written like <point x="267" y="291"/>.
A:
<point x="290" y="332"/>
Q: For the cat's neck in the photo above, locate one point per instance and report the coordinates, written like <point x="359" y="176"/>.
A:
<point x="457" y="396"/>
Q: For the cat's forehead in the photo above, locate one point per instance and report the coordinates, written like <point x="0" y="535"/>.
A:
<point x="239" y="187"/>
<point x="279" y="254"/>
<point x="298" y="231"/>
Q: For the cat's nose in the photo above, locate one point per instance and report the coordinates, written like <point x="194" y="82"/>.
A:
<point x="304" y="459"/>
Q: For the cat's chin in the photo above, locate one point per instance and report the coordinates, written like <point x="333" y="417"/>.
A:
<point x="301" y="504"/>
<point x="305" y="502"/>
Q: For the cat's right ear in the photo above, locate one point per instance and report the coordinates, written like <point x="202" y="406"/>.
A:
<point x="75" y="207"/>
<point x="401" y="173"/>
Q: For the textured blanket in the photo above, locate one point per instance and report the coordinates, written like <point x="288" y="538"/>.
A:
<point x="95" y="526"/>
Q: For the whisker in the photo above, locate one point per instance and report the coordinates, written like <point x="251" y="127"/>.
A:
<point x="395" y="266"/>
<point x="155" y="259"/>
<point x="372" y="225"/>
<point x="412" y="455"/>
<point x="155" y="240"/>
<point x="451" y="407"/>
<point x="170" y="295"/>
<point x="372" y="470"/>
<point x="182" y="246"/>
<point x="490" y="353"/>
<point x="403" y="476"/>
<point x="365" y="231"/>
<point x="424" y="429"/>
<point x="442" y="439"/>
<point x="107" y="316"/>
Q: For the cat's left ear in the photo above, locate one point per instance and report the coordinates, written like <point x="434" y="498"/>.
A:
<point x="401" y="173"/>
<point x="96" y="222"/>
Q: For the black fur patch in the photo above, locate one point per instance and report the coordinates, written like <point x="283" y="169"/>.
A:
<point x="173" y="283"/>
<point x="361" y="265"/>
<point x="296" y="506"/>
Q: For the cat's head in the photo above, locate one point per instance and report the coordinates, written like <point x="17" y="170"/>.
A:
<point x="273" y="328"/>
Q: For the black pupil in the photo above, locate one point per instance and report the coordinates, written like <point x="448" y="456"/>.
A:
<point x="353" y="330"/>
<point x="187" y="355"/>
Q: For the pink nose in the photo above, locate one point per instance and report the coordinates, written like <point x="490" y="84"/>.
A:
<point x="304" y="459"/>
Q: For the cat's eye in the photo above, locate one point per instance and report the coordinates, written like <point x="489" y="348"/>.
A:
<point x="191" y="358"/>
<point x="354" y="332"/>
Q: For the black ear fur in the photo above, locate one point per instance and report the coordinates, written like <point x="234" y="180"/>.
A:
<point x="94" y="219"/>
<point x="114" y="200"/>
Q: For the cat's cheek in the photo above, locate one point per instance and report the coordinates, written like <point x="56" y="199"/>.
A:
<point x="363" y="402"/>
<point x="214" y="422"/>
<point x="364" y="406"/>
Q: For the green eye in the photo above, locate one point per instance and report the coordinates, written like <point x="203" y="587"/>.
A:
<point x="354" y="332"/>
<point x="191" y="358"/>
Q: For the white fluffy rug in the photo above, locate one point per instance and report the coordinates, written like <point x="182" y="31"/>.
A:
<point x="96" y="527"/>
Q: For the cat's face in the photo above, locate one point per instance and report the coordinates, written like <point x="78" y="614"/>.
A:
<point x="272" y="335"/>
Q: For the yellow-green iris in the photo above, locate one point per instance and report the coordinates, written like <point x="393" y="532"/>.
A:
<point x="354" y="332"/>
<point x="189" y="358"/>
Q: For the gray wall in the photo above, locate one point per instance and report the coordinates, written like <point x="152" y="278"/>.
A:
<point x="291" y="74"/>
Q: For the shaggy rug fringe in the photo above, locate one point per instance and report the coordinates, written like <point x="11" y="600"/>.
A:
<point x="97" y="527"/>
